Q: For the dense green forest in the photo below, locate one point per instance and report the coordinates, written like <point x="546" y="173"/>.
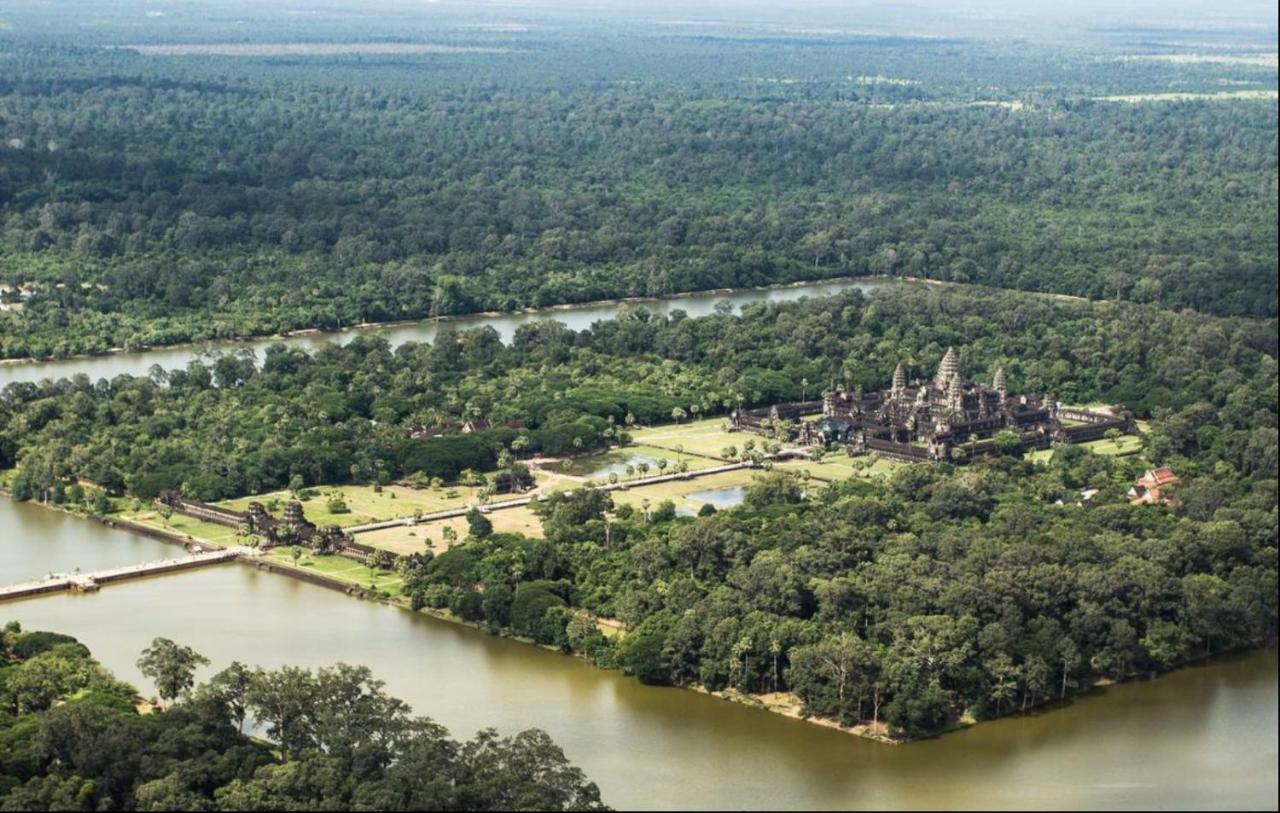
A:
<point x="233" y="425"/>
<point x="73" y="737"/>
<point x="936" y="595"/>
<point x="152" y="199"/>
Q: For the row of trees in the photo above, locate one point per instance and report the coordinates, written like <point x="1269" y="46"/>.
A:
<point x="71" y="739"/>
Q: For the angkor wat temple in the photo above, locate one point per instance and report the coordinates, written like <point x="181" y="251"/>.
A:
<point x="945" y="418"/>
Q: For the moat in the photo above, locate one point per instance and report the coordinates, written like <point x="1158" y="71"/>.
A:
<point x="1201" y="737"/>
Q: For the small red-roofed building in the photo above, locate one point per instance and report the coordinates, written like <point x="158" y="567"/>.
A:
<point x="1146" y="490"/>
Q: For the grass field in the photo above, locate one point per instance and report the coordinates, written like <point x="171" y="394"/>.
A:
<point x="1123" y="445"/>
<point x="340" y="568"/>
<point x="705" y="437"/>
<point x="838" y="466"/>
<point x="412" y="539"/>
<point x="187" y="526"/>
<point x="366" y="504"/>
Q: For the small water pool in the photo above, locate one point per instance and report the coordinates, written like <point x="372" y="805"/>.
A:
<point x="720" y="497"/>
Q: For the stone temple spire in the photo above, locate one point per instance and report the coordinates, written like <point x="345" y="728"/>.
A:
<point x="947" y="370"/>
<point x="1000" y="384"/>
<point x="899" y="380"/>
<point x="955" y="395"/>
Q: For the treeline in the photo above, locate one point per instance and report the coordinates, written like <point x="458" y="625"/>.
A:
<point x="147" y="202"/>
<point x="72" y="737"/>
<point x="233" y="425"/>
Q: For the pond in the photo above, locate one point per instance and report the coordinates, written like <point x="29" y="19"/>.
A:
<point x="721" y="498"/>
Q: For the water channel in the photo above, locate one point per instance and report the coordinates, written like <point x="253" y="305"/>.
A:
<point x="1202" y="737"/>
<point x="576" y="317"/>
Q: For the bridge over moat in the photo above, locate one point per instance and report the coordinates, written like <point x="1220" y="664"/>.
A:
<point x="89" y="582"/>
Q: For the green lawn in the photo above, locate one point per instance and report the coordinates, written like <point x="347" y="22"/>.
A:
<point x="366" y="504"/>
<point x="340" y="568"/>
<point x="838" y="466"/>
<point x="695" y="461"/>
<point x="704" y="437"/>
<point x="1123" y="445"/>
<point x="1040" y="455"/>
<point x="187" y="526"/>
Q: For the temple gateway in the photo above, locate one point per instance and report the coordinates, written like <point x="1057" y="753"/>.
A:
<point x="944" y="418"/>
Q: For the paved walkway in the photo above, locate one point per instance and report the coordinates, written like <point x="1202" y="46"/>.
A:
<point x="85" y="582"/>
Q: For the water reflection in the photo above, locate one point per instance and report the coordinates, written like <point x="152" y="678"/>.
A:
<point x="576" y="317"/>
<point x="35" y="541"/>
<point x="1202" y="737"/>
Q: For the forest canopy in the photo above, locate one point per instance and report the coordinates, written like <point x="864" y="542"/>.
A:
<point x="73" y="737"/>
<point x="152" y="199"/>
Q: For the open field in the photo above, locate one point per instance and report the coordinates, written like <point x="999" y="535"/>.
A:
<point x="1123" y="445"/>
<point x="340" y="568"/>
<point x="188" y="526"/>
<point x="304" y="49"/>
<point x="1218" y="96"/>
<point x="1261" y="59"/>
<point x="366" y="504"/>
<point x="704" y="437"/>
<point x="409" y="539"/>
<point x="838" y="466"/>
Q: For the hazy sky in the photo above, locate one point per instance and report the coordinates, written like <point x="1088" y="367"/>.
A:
<point x="1257" y="18"/>
<point x="1139" y="12"/>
